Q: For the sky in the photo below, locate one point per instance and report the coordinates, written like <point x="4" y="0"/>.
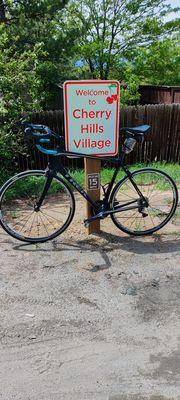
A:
<point x="173" y="3"/>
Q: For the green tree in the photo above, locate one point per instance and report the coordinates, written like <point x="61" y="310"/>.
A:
<point x="114" y="32"/>
<point x="156" y="64"/>
<point x="159" y="64"/>
<point x="113" y="29"/>
<point x="34" y="54"/>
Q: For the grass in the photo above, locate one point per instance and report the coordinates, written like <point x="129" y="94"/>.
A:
<point x="30" y="187"/>
<point x="33" y="186"/>
<point x="106" y="173"/>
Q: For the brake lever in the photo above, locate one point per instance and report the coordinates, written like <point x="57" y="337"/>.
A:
<point x="27" y="136"/>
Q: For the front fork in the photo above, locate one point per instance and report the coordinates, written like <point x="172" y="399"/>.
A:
<point x="49" y="174"/>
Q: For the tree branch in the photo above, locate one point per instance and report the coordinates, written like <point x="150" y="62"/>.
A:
<point x="2" y="11"/>
<point x="91" y="66"/>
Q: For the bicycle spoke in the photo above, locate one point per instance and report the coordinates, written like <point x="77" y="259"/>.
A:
<point x="55" y="211"/>
<point x="48" y="215"/>
<point x="45" y="216"/>
<point x="30" y="199"/>
<point x="127" y="195"/>
<point x="38" y="225"/>
<point x="151" y="219"/>
<point x="31" y="224"/>
<point x="140" y="220"/>
<point x="150" y="189"/>
<point x="156" y="215"/>
<point x="154" y="185"/>
<point x="43" y="224"/>
<point x="144" y="221"/>
<point x="5" y="216"/>
<point x="128" y="217"/>
<point x="20" y="218"/>
<point x="131" y="188"/>
<point x="159" y="210"/>
<point x="63" y="214"/>
<point x="26" y="221"/>
<point x="133" y="219"/>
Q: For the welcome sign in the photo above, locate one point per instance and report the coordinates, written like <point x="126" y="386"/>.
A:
<point x="92" y="116"/>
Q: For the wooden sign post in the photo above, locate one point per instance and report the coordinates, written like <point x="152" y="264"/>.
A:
<point x="91" y="127"/>
<point x="92" y="182"/>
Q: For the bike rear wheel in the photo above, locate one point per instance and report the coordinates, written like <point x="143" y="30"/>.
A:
<point x="19" y="216"/>
<point x="161" y="194"/>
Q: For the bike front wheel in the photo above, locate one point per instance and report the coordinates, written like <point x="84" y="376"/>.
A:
<point x="19" y="216"/>
<point x="160" y="193"/>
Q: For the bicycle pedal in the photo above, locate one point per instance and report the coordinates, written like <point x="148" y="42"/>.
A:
<point x="92" y="219"/>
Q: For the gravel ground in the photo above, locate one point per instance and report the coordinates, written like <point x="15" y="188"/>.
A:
<point x="91" y="317"/>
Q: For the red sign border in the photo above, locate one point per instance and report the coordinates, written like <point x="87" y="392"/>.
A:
<point x="66" y="112"/>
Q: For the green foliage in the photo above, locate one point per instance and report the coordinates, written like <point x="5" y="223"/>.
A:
<point x="33" y="185"/>
<point x="32" y="46"/>
<point x="126" y="40"/>
<point x="6" y="155"/>
<point x="111" y="29"/>
<point x="42" y="41"/>
<point x="159" y="64"/>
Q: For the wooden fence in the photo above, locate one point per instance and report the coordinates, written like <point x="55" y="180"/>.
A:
<point x="162" y="144"/>
<point x="159" y="94"/>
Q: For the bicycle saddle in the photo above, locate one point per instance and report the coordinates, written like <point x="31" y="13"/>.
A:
<point x="141" y="129"/>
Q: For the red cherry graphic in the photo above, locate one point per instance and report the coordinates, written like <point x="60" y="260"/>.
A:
<point x="114" y="96"/>
<point x="109" y="100"/>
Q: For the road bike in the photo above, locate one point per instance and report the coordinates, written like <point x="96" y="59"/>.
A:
<point x="38" y="205"/>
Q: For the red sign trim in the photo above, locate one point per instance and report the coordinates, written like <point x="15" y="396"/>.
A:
<point x="117" y="113"/>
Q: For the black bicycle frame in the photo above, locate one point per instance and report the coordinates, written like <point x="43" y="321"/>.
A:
<point x="56" y="166"/>
<point x="69" y="178"/>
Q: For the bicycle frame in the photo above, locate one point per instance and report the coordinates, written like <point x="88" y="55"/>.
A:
<point x="18" y="215"/>
<point x="56" y="166"/>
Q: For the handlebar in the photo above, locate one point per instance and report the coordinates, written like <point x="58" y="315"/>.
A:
<point x="42" y="134"/>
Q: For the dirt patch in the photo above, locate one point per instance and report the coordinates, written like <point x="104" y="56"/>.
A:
<point x="90" y="317"/>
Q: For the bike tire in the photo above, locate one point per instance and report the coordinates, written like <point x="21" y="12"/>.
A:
<point x="145" y="178"/>
<point x="18" y="216"/>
